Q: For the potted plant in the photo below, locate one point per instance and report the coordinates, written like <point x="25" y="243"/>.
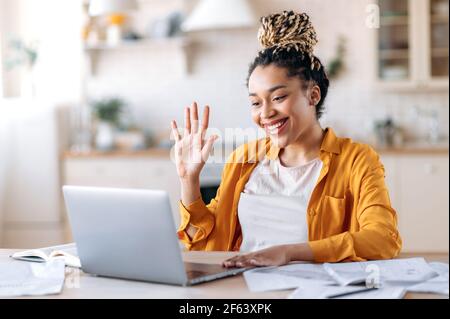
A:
<point x="107" y="111"/>
<point x="22" y="54"/>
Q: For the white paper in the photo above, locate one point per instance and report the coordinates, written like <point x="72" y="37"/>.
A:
<point x="285" y="277"/>
<point x="31" y="279"/>
<point x="381" y="293"/>
<point x="407" y="270"/>
<point x="438" y="285"/>
<point x="317" y="291"/>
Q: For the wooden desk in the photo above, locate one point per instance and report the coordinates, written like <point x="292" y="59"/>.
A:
<point x="81" y="285"/>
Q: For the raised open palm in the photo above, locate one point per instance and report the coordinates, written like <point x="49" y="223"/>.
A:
<point x="191" y="149"/>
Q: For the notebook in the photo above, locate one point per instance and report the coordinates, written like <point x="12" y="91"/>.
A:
<point x="66" y="252"/>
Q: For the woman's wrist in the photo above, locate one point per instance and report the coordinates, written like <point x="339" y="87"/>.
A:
<point x="190" y="190"/>
<point x="190" y="180"/>
<point x="298" y="252"/>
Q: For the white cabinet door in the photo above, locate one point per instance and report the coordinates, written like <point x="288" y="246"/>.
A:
<point x="424" y="209"/>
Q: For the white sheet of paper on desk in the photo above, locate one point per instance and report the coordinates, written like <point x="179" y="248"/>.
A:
<point x="315" y="291"/>
<point x="286" y="277"/>
<point x="438" y="285"/>
<point x="406" y="270"/>
<point x="19" y="278"/>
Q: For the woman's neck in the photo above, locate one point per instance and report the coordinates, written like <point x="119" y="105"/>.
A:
<point x="305" y="149"/>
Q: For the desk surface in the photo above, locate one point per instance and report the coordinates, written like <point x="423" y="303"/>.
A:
<point x="81" y="285"/>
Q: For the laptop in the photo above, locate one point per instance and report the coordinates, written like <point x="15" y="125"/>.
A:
<point x="130" y="234"/>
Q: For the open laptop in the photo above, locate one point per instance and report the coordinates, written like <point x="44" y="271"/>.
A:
<point x="129" y="233"/>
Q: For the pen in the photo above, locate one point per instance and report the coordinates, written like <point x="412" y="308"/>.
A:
<point x="350" y="292"/>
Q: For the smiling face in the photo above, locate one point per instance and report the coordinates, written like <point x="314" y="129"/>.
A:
<point x="281" y="105"/>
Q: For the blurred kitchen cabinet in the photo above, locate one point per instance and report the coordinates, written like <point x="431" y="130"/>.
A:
<point x="412" y="45"/>
<point x="125" y="172"/>
<point x="418" y="185"/>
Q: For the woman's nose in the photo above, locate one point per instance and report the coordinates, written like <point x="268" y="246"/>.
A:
<point x="267" y="111"/>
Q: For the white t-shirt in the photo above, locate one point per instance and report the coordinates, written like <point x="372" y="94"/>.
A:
<point x="272" y="207"/>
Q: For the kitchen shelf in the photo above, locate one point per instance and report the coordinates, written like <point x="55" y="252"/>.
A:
<point x="139" y="44"/>
<point x="439" y="52"/>
<point x="394" y="54"/>
<point x="439" y="18"/>
<point x="394" y="20"/>
<point x="93" y="52"/>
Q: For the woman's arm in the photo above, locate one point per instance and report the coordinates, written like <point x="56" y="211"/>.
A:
<point x="191" y="153"/>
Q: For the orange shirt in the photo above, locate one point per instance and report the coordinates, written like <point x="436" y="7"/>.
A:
<point x="349" y="214"/>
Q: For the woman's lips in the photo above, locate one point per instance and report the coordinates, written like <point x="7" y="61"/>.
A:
<point x="277" y="128"/>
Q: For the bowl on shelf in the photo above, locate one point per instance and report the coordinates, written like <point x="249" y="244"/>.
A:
<point x="394" y="72"/>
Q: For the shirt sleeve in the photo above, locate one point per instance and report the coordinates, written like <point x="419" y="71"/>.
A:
<point x="377" y="237"/>
<point x="201" y="216"/>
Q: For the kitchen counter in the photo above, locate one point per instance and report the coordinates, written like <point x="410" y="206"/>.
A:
<point x="150" y="152"/>
<point x="408" y="148"/>
<point x="415" y="148"/>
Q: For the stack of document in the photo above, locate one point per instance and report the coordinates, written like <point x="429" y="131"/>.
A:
<point x="384" y="279"/>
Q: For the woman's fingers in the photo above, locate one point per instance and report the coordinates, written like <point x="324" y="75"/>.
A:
<point x="192" y="121"/>
<point x="176" y="134"/>
<point x="230" y="262"/>
<point x="257" y="261"/>
<point x="205" y="123"/>
<point x="187" y="121"/>
<point x="208" y="147"/>
<point x="205" y="119"/>
<point x="239" y="261"/>
<point x="194" y="118"/>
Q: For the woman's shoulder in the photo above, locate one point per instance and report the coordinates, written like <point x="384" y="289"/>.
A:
<point x="359" y="154"/>
<point x="351" y="147"/>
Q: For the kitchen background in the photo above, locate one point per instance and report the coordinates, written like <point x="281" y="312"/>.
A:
<point x="88" y="89"/>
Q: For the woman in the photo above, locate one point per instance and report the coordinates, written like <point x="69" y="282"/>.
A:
<point x="301" y="193"/>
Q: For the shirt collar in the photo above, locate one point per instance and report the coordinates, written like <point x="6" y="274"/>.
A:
<point x="330" y="144"/>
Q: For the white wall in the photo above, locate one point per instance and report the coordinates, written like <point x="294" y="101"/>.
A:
<point x="151" y="82"/>
<point x="56" y="26"/>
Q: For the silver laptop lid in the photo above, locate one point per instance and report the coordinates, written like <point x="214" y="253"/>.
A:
<point x="125" y="233"/>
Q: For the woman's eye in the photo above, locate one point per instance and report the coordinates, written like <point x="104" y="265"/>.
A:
<point x="255" y="103"/>
<point x="279" y="98"/>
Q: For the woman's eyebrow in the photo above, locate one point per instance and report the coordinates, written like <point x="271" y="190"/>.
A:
<point x="272" y="89"/>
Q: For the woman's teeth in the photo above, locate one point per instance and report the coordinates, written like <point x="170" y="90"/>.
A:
<point x="274" y="128"/>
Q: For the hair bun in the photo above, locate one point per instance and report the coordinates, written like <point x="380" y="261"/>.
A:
<point x="288" y="30"/>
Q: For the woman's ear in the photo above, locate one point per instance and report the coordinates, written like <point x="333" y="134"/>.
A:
<point x="314" y="95"/>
